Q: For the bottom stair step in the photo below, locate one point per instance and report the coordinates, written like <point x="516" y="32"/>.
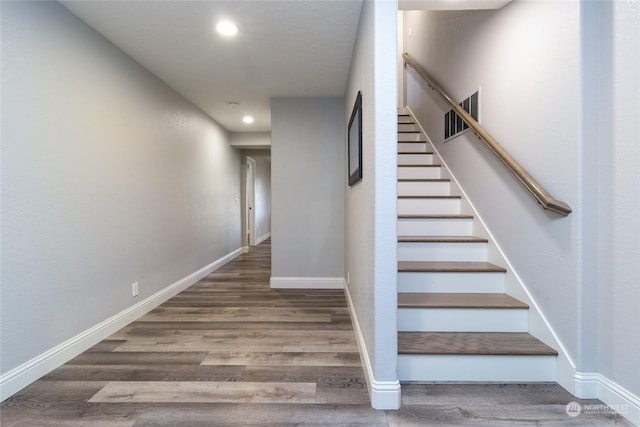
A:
<point x="472" y="343"/>
<point x="504" y="369"/>
<point x="474" y="356"/>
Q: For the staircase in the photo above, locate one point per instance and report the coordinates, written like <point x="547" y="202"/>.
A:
<point x="455" y="323"/>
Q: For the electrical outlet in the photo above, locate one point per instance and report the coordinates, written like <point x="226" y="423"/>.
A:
<point x="134" y="289"/>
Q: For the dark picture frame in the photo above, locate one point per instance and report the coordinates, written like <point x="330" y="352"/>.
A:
<point x="354" y="142"/>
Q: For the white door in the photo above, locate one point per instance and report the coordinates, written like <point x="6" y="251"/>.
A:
<point x="250" y="213"/>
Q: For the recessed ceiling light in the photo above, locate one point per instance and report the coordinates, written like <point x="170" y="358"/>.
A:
<point x="247" y="119"/>
<point x="227" y="28"/>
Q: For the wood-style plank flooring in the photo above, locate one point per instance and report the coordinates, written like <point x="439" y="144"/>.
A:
<point x="230" y="351"/>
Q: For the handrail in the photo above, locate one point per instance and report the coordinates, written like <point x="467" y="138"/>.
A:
<point x="544" y="198"/>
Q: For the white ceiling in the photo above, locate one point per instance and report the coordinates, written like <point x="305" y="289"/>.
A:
<point x="283" y="48"/>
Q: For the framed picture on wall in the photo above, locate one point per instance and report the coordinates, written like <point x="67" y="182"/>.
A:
<point x="355" y="142"/>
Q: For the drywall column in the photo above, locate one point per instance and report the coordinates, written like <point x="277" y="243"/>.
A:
<point x="308" y="181"/>
<point x="616" y="379"/>
<point x="371" y="214"/>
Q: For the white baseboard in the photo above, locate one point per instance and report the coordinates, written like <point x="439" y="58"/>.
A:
<point x="596" y="386"/>
<point x="263" y="238"/>
<point x="25" y="374"/>
<point x="306" y="282"/>
<point x="385" y="395"/>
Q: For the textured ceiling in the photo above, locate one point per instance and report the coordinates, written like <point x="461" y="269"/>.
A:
<point x="283" y="48"/>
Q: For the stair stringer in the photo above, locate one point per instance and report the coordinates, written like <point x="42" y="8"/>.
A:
<point x="539" y="325"/>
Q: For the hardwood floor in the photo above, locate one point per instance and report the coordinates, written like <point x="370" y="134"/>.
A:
<point x="230" y="351"/>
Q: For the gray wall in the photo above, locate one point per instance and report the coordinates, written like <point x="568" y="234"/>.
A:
<point x="371" y="215"/>
<point x="108" y="177"/>
<point x="308" y="181"/>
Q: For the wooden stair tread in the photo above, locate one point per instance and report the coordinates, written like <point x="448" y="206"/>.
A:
<point x="407" y="131"/>
<point x="442" y="239"/>
<point x="413" y="142"/>
<point x="419" y="166"/>
<point x="472" y="343"/>
<point x="502" y="301"/>
<point x="444" y="216"/>
<point x="423" y="153"/>
<point x="449" y="267"/>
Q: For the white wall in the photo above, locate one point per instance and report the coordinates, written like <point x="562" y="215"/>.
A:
<point x="611" y="156"/>
<point x="109" y="177"/>
<point x="371" y="215"/>
<point x="559" y="90"/>
<point x="307" y="199"/>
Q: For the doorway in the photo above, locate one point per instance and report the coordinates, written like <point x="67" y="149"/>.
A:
<point x="250" y="212"/>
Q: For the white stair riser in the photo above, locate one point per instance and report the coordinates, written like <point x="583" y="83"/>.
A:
<point x="424" y="188"/>
<point x="423" y="206"/>
<point x="412" y="147"/>
<point x="407" y="126"/>
<point x="462" y="320"/>
<point x="451" y="282"/>
<point x="411" y="136"/>
<point x="442" y="251"/>
<point x="405" y="119"/>
<point x="476" y="368"/>
<point x="415" y="159"/>
<point x="435" y="227"/>
<point x="419" y="172"/>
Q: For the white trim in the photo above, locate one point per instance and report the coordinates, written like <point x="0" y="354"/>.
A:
<point x="385" y="395"/>
<point x="306" y="282"/>
<point x="586" y="385"/>
<point x="23" y="375"/>
<point x="245" y="249"/>
<point x="263" y="238"/>
<point x="596" y="386"/>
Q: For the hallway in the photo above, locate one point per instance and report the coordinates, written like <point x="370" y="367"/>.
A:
<point x="231" y="351"/>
